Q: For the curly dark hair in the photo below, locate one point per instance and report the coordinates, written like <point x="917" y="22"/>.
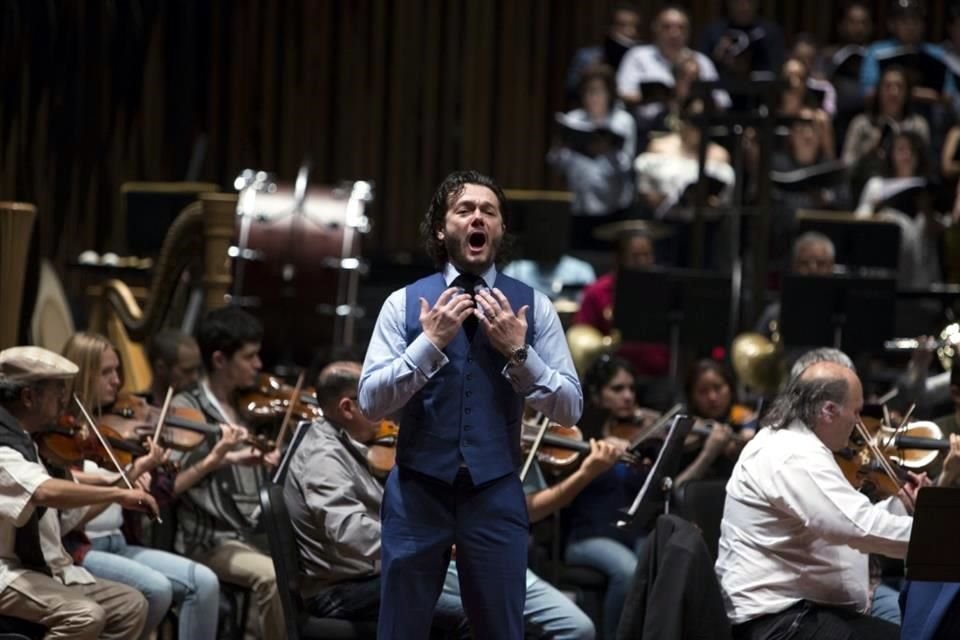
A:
<point x="601" y="372"/>
<point x="448" y="191"/>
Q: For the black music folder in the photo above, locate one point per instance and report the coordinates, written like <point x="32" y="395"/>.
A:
<point x="585" y="137"/>
<point x="931" y="555"/>
<point x="819" y="176"/>
<point x="846" y="62"/>
<point x="906" y="197"/>
<point x="655" y="92"/>
<point x="925" y="70"/>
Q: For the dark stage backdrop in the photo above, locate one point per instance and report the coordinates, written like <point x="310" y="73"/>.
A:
<point x="97" y="92"/>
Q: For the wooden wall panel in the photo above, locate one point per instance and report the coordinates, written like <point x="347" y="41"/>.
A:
<point x="399" y="92"/>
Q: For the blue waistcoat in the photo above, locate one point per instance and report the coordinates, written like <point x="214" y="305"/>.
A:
<point x="468" y="413"/>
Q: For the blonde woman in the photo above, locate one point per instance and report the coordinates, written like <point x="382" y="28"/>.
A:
<point x="163" y="578"/>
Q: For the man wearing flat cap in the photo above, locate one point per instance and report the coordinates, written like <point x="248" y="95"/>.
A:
<point x="38" y="581"/>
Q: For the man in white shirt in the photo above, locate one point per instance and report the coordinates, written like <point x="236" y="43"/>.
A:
<point x="795" y="534"/>
<point x="38" y="580"/>
<point x="654" y="63"/>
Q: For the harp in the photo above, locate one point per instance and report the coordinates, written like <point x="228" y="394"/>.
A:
<point x="16" y="225"/>
<point x="192" y="264"/>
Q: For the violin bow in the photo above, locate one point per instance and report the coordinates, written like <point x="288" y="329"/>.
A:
<point x="542" y="422"/>
<point x="106" y="445"/>
<point x="285" y="425"/>
<point x="163" y="416"/>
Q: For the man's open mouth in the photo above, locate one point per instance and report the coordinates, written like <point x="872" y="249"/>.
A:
<point x="477" y="240"/>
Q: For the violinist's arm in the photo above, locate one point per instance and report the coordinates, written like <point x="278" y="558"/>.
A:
<point x="194" y="472"/>
<point x="603" y="455"/>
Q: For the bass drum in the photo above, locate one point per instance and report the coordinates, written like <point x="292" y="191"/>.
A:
<point x="297" y="264"/>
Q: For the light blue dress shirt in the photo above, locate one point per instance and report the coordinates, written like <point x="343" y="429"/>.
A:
<point x="394" y="371"/>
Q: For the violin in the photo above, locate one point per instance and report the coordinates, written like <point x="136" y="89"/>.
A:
<point x="135" y="420"/>
<point x="68" y="444"/>
<point x="270" y="399"/>
<point x="872" y="463"/>
<point x="382" y="451"/>
<point x="562" y="447"/>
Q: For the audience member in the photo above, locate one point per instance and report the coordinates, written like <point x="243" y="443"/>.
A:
<point x="796" y="98"/>
<point x="742" y="42"/>
<point x="623" y="33"/>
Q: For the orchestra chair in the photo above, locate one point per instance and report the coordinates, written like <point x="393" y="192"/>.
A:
<point x="586" y="583"/>
<point x="300" y="625"/>
<point x="701" y="502"/>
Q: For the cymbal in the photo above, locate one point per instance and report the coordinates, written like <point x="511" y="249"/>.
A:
<point x="610" y="232"/>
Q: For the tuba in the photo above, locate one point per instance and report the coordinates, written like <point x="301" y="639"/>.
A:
<point x="587" y="344"/>
<point x="758" y="361"/>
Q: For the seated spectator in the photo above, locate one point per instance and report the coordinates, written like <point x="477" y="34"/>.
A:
<point x="840" y="62"/>
<point x="652" y="65"/>
<point x="901" y="196"/>
<point x="622" y="34"/>
<point x="797" y="97"/>
<point x="669" y="169"/>
<point x="742" y="42"/>
<point x="596" y="148"/>
<point x="907" y="23"/>
<point x="822" y="93"/>
<point x="870" y="135"/>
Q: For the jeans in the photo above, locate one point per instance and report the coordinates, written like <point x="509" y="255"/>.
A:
<point x="886" y="603"/>
<point x="615" y="560"/>
<point x="163" y="578"/>
<point x="359" y="600"/>
<point x="547" y="613"/>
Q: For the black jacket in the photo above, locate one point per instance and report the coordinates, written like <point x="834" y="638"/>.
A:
<point x="675" y="593"/>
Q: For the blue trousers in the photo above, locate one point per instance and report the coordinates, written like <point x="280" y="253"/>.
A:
<point x="163" y="578"/>
<point x="421" y="519"/>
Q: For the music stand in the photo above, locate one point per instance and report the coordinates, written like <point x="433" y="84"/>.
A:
<point x="859" y="242"/>
<point x="852" y="313"/>
<point x="936" y="520"/>
<point x="671" y="305"/>
<point x="656" y="488"/>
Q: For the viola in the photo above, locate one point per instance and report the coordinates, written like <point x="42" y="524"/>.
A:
<point x="269" y="400"/>
<point x="67" y="444"/>
<point x="382" y="451"/>
<point x="135" y="420"/>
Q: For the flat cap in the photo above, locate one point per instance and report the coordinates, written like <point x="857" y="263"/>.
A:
<point x="28" y="364"/>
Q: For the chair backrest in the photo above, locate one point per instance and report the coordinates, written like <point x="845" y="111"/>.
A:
<point x="701" y="502"/>
<point x="280" y="475"/>
<point x="285" y="554"/>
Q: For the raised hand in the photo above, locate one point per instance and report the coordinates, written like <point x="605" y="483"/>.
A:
<point x="441" y="323"/>
<point x="505" y="329"/>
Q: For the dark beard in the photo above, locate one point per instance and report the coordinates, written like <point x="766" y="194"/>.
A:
<point x="456" y="256"/>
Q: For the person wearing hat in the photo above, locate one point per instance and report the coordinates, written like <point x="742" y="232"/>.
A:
<point x="38" y="581"/>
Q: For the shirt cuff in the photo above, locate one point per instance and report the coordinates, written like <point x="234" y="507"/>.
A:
<point x="423" y="355"/>
<point x="524" y="376"/>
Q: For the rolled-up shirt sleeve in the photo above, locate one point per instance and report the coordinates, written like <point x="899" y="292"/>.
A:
<point x="548" y="379"/>
<point x="829" y="505"/>
<point x="19" y="480"/>
<point x="392" y="370"/>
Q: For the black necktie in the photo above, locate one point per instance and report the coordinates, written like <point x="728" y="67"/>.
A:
<point x="469" y="283"/>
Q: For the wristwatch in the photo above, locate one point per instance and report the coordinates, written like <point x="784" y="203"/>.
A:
<point x="518" y="356"/>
